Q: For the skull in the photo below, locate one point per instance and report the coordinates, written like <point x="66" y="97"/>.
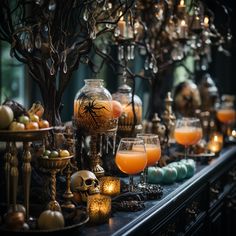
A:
<point x="85" y="183"/>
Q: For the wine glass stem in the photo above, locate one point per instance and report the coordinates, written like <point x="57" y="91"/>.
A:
<point x="131" y="183"/>
<point x="185" y="152"/>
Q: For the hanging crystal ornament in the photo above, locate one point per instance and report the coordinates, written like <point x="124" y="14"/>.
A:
<point x="116" y="32"/>
<point x="120" y="52"/>
<point x="65" y="65"/>
<point x="146" y="64"/>
<point x="155" y="69"/>
<point x="37" y="41"/>
<point x="132" y="52"/>
<point x="52" y="5"/>
<point x="86" y="14"/>
<point x="52" y="68"/>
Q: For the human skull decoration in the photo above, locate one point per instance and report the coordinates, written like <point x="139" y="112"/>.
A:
<point x="85" y="183"/>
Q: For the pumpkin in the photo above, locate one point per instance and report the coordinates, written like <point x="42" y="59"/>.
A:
<point x="49" y="219"/>
<point x="155" y="175"/>
<point x="170" y="175"/>
<point x="181" y="170"/>
<point x="18" y="207"/>
<point x="190" y="165"/>
<point x="6" y="116"/>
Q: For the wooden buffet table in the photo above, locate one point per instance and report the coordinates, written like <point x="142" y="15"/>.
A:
<point x="203" y="204"/>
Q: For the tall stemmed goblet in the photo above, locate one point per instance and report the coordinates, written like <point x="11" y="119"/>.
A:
<point x="226" y="114"/>
<point x="188" y="131"/>
<point x="153" y="149"/>
<point x="131" y="158"/>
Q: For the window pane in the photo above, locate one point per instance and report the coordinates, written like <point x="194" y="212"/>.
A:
<point x="12" y="76"/>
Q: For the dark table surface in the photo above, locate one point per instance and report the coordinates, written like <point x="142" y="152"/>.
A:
<point x="122" y="223"/>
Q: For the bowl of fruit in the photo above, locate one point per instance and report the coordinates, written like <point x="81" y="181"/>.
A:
<point x="19" y="124"/>
<point x="54" y="159"/>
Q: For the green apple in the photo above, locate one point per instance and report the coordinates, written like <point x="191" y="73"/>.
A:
<point x="54" y="154"/>
<point x="46" y="152"/>
<point x="24" y="119"/>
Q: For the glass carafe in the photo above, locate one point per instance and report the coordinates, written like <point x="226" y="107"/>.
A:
<point x="130" y="122"/>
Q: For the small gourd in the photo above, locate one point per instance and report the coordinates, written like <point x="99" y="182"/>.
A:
<point x="170" y="174"/>
<point x="181" y="170"/>
<point x="190" y="165"/>
<point x="155" y="175"/>
<point x="49" y="219"/>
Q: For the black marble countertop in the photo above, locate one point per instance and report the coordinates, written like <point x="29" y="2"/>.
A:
<point x="122" y="223"/>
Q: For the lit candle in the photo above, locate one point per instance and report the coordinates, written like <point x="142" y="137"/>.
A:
<point x="183" y="29"/>
<point x="217" y="137"/>
<point x="181" y="6"/>
<point x="216" y="142"/>
<point x="197" y="24"/>
<point x="98" y="208"/>
<point x="234" y="133"/>
<point x="110" y="185"/>
<point x="206" y="22"/>
<point x="122" y="27"/>
<point x="214" y="147"/>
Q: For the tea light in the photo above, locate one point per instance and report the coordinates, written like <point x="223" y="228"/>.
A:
<point x="214" y="147"/>
<point x="234" y="133"/>
<point x="110" y="185"/>
<point x="217" y="137"/>
<point x="98" y="208"/>
<point x="216" y="142"/>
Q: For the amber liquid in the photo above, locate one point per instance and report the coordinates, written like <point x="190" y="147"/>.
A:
<point x="153" y="153"/>
<point x="131" y="162"/>
<point x="187" y="135"/>
<point x="92" y="114"/>
<point x="226" y="115"/>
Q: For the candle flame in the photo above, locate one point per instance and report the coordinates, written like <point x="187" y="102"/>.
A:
<point x="183" y="23"/>
<point x="181" y="3"/>
<point x="206" y="20"/>
<point x="234" y="133"/>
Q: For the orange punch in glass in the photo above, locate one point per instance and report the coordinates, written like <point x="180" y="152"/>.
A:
<point x="188" y="131"/>
<point x="131" y="158"/>
<point x="153" y="149"/>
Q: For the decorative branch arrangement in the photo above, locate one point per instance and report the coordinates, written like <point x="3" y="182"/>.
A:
<point x="53" y="36"/>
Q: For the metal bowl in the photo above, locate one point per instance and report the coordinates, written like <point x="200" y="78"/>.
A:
<point x="23" y="135"/>
<point x="54" y="163"/>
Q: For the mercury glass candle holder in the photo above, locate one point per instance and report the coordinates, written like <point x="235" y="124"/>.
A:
<point x="98" y="208"/>
<point x="110" y="186"/>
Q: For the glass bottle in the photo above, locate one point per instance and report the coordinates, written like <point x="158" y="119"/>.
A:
<point x="93" y="107"/>
<point x="130" y="122"/>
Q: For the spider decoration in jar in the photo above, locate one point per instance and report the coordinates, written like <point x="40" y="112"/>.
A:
<point x="91" y="113"/>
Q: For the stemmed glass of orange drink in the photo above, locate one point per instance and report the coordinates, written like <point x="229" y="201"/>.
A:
<point x="153" y="149"/>
<point x="188" y="131"/>
<point x="131" y="158"/>
<point x="226" y="114"/>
